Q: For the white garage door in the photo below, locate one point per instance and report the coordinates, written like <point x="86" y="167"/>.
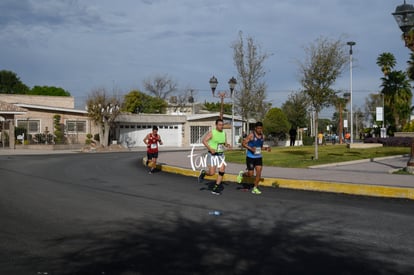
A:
<point x="132" y="135"/>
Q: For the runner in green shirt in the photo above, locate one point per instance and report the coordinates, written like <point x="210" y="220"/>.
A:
<point x="215" y="141"/>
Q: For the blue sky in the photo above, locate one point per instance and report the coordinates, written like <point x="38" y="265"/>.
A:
<point x="85" y="45"/>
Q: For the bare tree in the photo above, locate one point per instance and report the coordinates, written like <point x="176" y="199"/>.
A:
<point x="250" y="100"/>
<point x="182" y="101"/>
<point x="323" y="64"/>
<point x="160" y="86"/>
<point x="103" y="110"/>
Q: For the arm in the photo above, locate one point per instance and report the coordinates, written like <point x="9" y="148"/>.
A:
<point x="145" y="140"/>
<point x="159" y="140"/>
<point x="246" y="141"/>
<point x="205" y="142"/>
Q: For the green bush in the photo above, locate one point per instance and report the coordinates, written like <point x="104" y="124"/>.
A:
<point x="308" y="140"/>
<point x="88" y="140"/>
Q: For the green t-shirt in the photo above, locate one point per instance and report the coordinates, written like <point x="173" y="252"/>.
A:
<point x="217" y="141"/>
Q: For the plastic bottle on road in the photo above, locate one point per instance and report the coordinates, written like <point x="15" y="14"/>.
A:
<point x="214" y="213"/>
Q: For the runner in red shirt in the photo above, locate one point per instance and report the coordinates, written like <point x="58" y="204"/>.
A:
<point x="152" y="140"/>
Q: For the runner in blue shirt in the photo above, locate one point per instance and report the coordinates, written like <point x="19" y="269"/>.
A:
<point x="254" y="160"/>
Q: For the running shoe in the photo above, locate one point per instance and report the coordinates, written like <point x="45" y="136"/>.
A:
<point x="240" y="177"/>
<point x="256" y="191"/>
<point x="202" y="175"/>
<point x="216" y="190"/>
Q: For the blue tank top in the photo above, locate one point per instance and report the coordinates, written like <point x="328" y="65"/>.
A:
<point x="258" y="143"/>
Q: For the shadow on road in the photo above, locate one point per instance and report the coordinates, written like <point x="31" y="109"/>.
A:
<point x="181" y="246"/>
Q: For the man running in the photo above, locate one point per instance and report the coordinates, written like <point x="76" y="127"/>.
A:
<point x="152" y="140"/>
<point x="215" y="141"/>
<point x="254" y="160"/>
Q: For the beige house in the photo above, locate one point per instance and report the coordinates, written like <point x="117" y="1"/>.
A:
<point x="39" y="114"/>
<point x="7" y="122"/>
<point x="177" y="128"/>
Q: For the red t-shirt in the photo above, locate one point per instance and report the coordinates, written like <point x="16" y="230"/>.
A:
<point x="152" y="146"/>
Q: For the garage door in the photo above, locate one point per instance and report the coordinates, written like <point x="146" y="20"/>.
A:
<point x="132" y="135"/>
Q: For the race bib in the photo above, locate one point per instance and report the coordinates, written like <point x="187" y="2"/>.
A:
<point x="220" y="148"/>
<point x="154" y="146"/>
<point x="258" y="151"/>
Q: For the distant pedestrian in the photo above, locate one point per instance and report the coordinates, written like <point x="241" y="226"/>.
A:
<point x="152" y="140"/>
<point x="320" y="138"/>
<point x="347" y="137"/>
<point x="254" y="159"/>
<point x="215" y="141"/>
<point x="334" y="138"/>
<point x="292" y="134"/>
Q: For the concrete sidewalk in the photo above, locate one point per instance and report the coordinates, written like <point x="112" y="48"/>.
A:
<point x="364" y="177"/>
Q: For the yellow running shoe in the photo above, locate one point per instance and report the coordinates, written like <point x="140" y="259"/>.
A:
<point x="240" y="177"/>
<point x="256" y="191"/>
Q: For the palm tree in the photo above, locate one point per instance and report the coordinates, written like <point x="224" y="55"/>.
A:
<point x="410" y="69"/>
<point x="397" y="93"/>
<point x="387" y="62"/>
<point x="340" y="104"/>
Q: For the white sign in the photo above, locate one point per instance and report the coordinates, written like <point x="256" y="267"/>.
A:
<point x="345" y="123"/>
<point x="379" y="113"/>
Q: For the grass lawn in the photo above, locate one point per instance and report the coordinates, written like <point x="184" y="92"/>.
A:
<point x="303" y="156"/>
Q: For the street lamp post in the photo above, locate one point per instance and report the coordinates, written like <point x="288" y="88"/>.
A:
<point x="404" y="15"/>
<point x="350" y="44"/>
<point x="222" y="95"/>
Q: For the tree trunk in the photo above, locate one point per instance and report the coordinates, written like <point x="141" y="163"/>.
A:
<point x="105" y="133"/>
<point x="101" y="134"/>
<point x="316" y="134"/>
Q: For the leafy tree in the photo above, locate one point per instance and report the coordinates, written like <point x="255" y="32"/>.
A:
<point x="103" y="110"/>
<point x="160" y="86"/>
<point x="397" y="98"/>
<point x="409" y="127"/>
<point x="59" y="135"/>
<point x="276" y="123"/>
<point x="138" y="102"/>
<point x="296" y="109"/>
<point x="323" y="124"/>
<point x="216" y="106"/>
<point x="48" y="90"/>
<point x="410" y="69"/>
<point x="250" y="100"/>
<point x="323" y="64"/>
<point x="387" y="62"/>
<point x="10" y="83"/>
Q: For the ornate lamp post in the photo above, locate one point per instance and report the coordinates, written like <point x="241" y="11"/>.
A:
<point x="404" y="15"/>
<point x="222" y="95"/>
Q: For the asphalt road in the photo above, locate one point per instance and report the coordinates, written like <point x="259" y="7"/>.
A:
<point x="104" y="214"/>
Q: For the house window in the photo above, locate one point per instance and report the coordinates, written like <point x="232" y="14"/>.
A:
<point x="197" y="133"/>
<point x="33" y="125"/>
<point x="76" y="126"/>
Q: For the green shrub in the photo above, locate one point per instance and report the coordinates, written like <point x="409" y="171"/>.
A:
<point x="88" y="140"/>
<point x="308" y="140"/>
